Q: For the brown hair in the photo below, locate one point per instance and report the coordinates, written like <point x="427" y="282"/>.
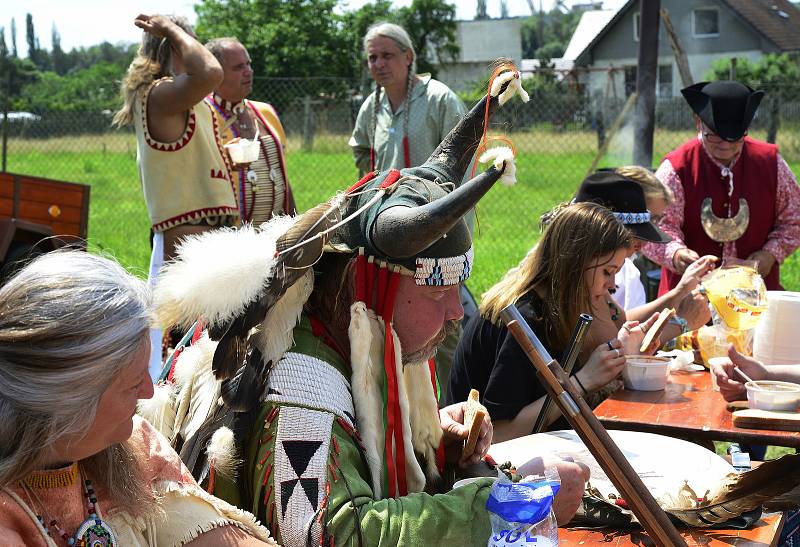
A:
<point x="577" y="236"/>
<point x="152" y="62"/>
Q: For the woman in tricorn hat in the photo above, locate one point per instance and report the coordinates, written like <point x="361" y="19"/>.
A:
<point x="734" y="196"/>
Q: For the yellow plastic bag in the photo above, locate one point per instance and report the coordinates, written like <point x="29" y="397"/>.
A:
<point x="738" y="298"/>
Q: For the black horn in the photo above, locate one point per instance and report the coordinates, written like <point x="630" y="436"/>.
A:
<point x="407" y="231"/>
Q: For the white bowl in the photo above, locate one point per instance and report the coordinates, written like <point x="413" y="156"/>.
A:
<point x="771" y="395"/>
<point x="243" y="150"/>
<point x="645" y="372"/>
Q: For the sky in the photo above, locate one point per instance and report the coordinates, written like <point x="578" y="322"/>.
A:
<point x="88" y="22"/>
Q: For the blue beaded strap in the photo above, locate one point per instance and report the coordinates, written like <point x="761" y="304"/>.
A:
<point x="633" y="218"/>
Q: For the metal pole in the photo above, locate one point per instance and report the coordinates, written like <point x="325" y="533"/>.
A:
<point x="646" y="82"/>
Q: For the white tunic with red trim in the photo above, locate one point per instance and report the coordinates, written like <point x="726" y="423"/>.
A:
<point x="186" y="180"/>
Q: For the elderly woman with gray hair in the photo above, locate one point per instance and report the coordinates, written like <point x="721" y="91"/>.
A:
<point x="77" y="467"/>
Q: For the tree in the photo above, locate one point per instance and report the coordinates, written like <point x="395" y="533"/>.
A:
<point x="480" y="13"/>
<point x="30" y="37"/>
<point x="57" y="56"/>
<point x="312" y="38"/>
<point x="556" y="26"/>
<point x="14" y="38"/>
<point x="776" y="74"/>
<point x="432" y="27"/>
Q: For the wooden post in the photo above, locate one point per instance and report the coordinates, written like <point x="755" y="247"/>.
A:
<point x="308" y="126"/>
<point x="646" y="83"/>
<point x="597" y="440"/>
<point x="733" y="69"/>
<point x="6" y="101"/>
<point x="677" y="50"/>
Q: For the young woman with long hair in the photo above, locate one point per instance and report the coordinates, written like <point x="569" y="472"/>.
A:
<point x="570" y="272"/>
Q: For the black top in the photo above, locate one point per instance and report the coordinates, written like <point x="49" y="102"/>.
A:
<point x="489" y="359"/>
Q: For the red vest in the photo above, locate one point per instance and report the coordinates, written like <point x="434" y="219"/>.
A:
<point x="755" y="178"/>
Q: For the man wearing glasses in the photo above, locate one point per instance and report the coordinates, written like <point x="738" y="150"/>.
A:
<point x="735" y="197"/>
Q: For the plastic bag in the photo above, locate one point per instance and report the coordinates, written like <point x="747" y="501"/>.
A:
<point x="521" y="513"/>
<point x="738" y="299"/>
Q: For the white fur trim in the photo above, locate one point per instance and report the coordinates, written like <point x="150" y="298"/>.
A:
<point x="415" y="477"/>
<point x="160" y="409"/>
<point x="217" y="273"/>
<point x="424" y="417"/>
<point x="366" y="358"/>
<point x="514" y="88"/>
<point x="274" y="336"/>
<point x="222" y="453"/>
<point x="499" y="155"/>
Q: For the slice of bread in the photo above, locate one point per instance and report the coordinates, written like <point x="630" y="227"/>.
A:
<point x="657" y="327"/>
<point x="474" y="413"/>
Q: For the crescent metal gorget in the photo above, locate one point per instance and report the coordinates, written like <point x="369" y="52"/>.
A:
<point x="725" y="229"/>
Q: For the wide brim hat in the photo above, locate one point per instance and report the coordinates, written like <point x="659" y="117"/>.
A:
<point x="625" y="198"/>
<point x="725" y="106"/>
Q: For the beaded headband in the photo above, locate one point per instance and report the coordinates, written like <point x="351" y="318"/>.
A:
<point x="444" y="271"/>
<point x="633" y="218"/>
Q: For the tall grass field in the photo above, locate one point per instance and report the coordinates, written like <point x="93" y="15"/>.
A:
<point x="550" y="164"/>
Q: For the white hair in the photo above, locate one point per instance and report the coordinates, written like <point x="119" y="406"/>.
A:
<point x="69" y="323"/>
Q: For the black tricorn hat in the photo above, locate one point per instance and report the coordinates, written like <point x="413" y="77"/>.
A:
<point x="625" y="198"/>
<point x="725" y="106"/>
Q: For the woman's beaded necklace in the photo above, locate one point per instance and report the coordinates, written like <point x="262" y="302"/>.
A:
<point x="93" y="531"/>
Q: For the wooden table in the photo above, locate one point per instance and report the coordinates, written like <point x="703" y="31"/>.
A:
<point x="764" y="533"/>
<point x="688" y="408"/>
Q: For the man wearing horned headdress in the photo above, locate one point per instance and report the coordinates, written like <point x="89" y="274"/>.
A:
<point x="321" y="349"/>
<point x="734" y="196"/>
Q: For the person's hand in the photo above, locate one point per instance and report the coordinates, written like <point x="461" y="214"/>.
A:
<point x="455" y="433"/>
<point x="632" y="335"/>
<point x="573" y="477"/>
<point x="695" y="271"/>
<point x="765" y="262"/>
<point x="157" y="25"/>
<point x="683" y="258"/>
<point x="731" y="384"/>
<point x="694" y="308"/>
<point x="604" y="364"/>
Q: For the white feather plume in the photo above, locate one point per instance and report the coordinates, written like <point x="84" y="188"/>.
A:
<point x="159" y="410"/>
<point x="424" y="414"/>
<point x="222" y="453"/>
<point x="514" y="88"/>
<point x="498" y="156"/>
<point x="217" y="273"/>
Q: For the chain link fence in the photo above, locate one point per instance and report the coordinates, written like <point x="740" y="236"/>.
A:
<point x="557" y="136"/>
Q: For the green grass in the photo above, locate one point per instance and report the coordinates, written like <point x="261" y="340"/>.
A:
<point x="550" y="164"/>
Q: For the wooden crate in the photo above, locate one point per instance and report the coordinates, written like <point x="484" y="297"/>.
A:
<point x="64" y="206"/>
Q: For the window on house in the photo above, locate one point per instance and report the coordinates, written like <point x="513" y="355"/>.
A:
<point x="636" y="24"/>
<point x="705" y="22"/>
<point x="630" y="80"/>
<point x="665" y="81"/>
